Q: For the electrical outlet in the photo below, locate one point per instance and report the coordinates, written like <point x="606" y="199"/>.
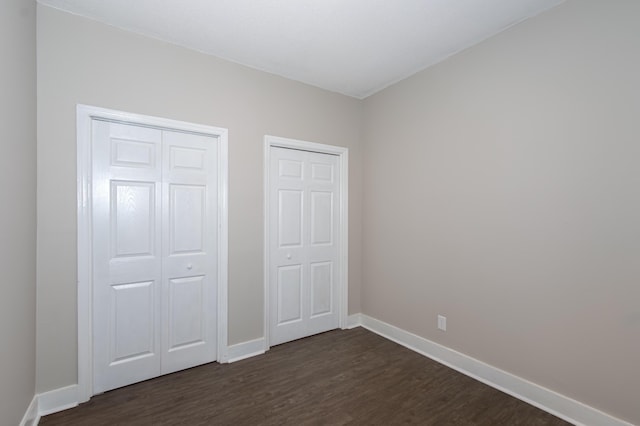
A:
<point x="442" y="322"/>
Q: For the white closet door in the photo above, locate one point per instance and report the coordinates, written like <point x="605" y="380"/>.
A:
<point x="154" y="252"/>
<point x="127" y="267"/>
<point x="189" y="270"/>
<point x="304" y="197"/>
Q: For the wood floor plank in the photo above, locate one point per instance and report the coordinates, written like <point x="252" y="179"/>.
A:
<point x="343" y="377"/>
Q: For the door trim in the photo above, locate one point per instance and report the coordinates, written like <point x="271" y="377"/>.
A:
<point x="84" y="115"/>
<point x="343" y="225"/>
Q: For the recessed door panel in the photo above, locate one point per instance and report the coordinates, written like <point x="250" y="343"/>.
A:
<point x="321" y="217"/>
<point x="290" y="169"/>
<point x="290" y="218"/>
<point x="186" y="322"/>
<point x="322" y="172"/>
<point x="188" y="158"/>
<point x="187" y="211"/>
<point x="289" y="294"/>
<point x="132" y="321"/>
<point x="132" y="218"/>
<point x="321" y="288"/>
<point x="129" y="153"/>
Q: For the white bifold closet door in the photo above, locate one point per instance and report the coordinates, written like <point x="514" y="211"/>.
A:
<point x="304" y="217"/>
<point x="154" y="243"/>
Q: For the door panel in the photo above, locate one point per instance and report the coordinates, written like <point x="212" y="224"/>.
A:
<point x="304" y="251"/>
<point x="290" y="169"/>
<point x="321" y="217"/>
<point x="290" y="218"/>
<point x="155" y="252"/>
<point x="126" y="254"/>
<point x="132" y="321"/>
<point x="289" y="294"/>
<point x="186" y="158"/>
<point x="130" y="153"/>
<point x="321" y="288"/>
<point x="189" y="257"/>
<point x="322" y="172"/>
<point x="132" y="218"/>
<point x="186" y="324"/>
<point x="187" y="207"/>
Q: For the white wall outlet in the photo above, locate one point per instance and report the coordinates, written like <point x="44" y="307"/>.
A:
<point x="442" y="322"/>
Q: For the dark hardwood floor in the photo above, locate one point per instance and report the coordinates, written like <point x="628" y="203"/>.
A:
<point x="350" y="377"/>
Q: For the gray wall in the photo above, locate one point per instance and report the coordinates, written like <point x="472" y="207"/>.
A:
<point x="502" y="189"/>
<point x="82" y="61"/>
<point x="18" y="211"/>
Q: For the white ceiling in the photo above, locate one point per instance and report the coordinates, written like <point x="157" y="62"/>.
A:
<point x="354" y="47"/>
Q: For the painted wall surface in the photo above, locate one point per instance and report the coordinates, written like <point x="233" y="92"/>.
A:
<point x="82" y="61"/>
<point x="18" y="210"/>
<point x="502" y="190"/>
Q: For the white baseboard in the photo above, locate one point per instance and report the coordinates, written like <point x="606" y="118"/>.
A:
<point x="57" y="400"/>
<point x="552" y="402"/>
<point x="50" y="402"/>
<point x="245" y="350"/>
<point x="354" y="321"/>
<point x="31" y="417"/>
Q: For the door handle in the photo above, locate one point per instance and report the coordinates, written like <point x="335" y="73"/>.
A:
<point x="288" y="255"/>
<point x="189" y="266"/>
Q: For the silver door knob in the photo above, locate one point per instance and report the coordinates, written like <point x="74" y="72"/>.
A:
<point x="288" y="255"/>
<point x="189" y="266"/>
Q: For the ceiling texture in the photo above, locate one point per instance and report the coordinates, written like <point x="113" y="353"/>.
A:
<point x="353" y="47"/>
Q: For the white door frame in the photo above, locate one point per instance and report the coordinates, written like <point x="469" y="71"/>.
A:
<point x="84" y="115"/>
<point x="343" y="228"/>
